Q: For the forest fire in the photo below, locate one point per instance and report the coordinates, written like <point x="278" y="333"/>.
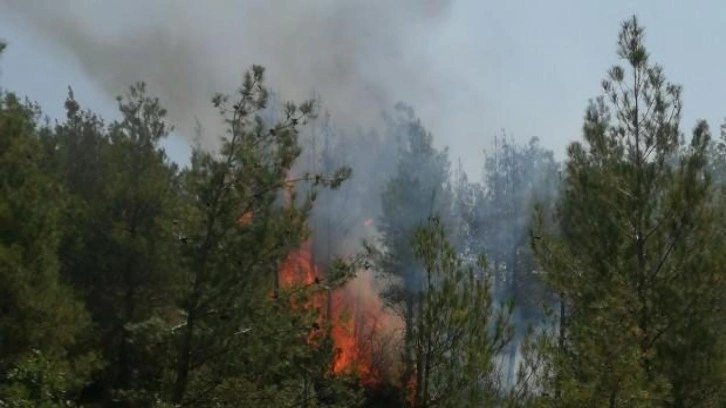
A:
<point x="298" y="269"/>
<point x="359" y="325"/>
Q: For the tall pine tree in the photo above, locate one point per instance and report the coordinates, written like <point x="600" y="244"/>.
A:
<point x="638" y="259"/>
<point x="457" y="332"/>
<point x="419" y="189"/>
<point x="118" y="245"/>
<point x="239" y="341"/>
<point x="41" y="318"/>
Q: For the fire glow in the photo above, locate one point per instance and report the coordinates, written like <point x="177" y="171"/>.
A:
<point x="360" y="328"/>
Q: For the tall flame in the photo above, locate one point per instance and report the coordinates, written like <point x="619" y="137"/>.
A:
<point x="358" y="321"/>
<point x="359" y="326"/>
<point x="297" y="268"/>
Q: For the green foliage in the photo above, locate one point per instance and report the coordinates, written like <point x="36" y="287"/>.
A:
<point x="457" y="331"/>
<point x="636" y="261"/>
<point x="119" y="247"/>
<point x="717" y="162"/>
<point x="40" y="319"/>
<point x="38" y="380"/>
<point x="418" y="189"/>
<point x="516" y="176"/>
<point x="494" y="217"/>
<point x="126" y="281"/>
<point x="177" y="278"/>
<point x="237" y="331"/>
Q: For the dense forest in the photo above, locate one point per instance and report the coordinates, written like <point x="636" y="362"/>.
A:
<point x="304" y="265"/>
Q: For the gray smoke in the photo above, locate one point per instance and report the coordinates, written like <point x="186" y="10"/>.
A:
<point x="360" y="56"/>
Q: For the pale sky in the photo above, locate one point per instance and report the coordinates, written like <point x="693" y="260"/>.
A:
<point x="528" y="67"/>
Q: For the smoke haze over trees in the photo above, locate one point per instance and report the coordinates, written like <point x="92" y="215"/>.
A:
<point x="345" y="54"/>
<point x="326" y="252"/>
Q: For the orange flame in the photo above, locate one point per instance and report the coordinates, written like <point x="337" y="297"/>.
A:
<point x="358" y="321"/>
<point x="357" y="317"/>
<point x="360" y="326"/>
<point x="245" y="218"/>
<point x="298" y="269"/>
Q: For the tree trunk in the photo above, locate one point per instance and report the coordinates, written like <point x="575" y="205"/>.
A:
<point x="184" y="360"/>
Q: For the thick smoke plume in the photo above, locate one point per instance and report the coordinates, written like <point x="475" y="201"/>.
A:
<point x="361" y="56"/>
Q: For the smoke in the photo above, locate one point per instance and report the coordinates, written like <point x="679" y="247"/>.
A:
<point x="361" y="56"/>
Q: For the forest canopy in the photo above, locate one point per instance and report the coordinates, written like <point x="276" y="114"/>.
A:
<point x="299" y="264"/>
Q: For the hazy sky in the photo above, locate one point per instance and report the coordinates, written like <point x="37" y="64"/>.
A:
<point x="469" y="67"/>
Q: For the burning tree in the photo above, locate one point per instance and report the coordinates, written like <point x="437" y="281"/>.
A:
<point x="233" y="336"/>
<point x="355" y="318"/>
<point x="363" y="331"/>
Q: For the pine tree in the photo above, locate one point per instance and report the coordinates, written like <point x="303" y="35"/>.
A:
<point x="41" y="319"/>
<point x="515" y="177"/>
<point x="457" y="331"/>
<point x="239" y="341"/>
<point x="118" y="245"/>
<point x="418" y="189"/>
<point x="637" y="260"/>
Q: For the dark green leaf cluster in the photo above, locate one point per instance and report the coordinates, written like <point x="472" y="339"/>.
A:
<point x="636" y="259"/>
<point x="457" y="329"/>
<point x="128" y="281"/>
